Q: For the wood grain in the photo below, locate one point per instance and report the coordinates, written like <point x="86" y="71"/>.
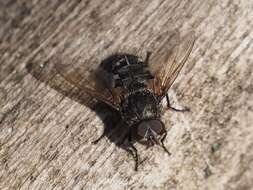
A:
<point x="45" y="136"/>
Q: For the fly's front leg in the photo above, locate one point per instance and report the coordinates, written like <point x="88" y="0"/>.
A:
<point x="162" y="144"/>
<point x="175" y="109"/>
<point x="133" y="151"/>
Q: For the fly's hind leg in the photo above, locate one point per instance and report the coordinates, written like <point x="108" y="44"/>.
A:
<point x="175" y="109"/>
<point x="147" y="57"/>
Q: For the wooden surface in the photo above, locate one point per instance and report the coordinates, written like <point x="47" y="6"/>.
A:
<point x="45" y="136"/>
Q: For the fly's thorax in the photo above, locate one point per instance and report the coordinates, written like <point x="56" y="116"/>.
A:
<point x="140" y="105"/>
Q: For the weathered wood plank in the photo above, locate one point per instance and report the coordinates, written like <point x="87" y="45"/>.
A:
<point x="45" y="137"/>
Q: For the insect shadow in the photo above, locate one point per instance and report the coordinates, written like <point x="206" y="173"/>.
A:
<point x="114" y="129"/>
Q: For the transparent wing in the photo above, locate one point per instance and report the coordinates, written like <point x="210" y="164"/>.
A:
<point x="45" y="72"/>
<point x="89" y="82"/>
<point x="184" y="50"/>
<point x="169" y="59"/>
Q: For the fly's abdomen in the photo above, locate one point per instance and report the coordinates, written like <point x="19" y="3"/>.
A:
<point x="129" y="72"/>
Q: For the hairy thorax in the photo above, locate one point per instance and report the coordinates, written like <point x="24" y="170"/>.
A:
<point x="140" y="105"/>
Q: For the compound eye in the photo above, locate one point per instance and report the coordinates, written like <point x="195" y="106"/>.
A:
<point x="142" y="129"/>
<point x="155" y="126"/>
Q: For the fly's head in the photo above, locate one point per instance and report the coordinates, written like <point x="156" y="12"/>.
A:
<point x="151" y="132"/>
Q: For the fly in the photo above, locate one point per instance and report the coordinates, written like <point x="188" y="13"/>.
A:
<point x="136" y="87"/>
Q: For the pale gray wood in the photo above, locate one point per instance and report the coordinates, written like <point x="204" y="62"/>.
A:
<point x="39" y="151"/>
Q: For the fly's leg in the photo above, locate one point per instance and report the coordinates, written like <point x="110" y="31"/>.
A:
<point x="133" y="151"/>
<point x="99" y="138"/>
<point x="162" y="144"/>
<point x="147" y="57"/>
<point x="175" y="109"/>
